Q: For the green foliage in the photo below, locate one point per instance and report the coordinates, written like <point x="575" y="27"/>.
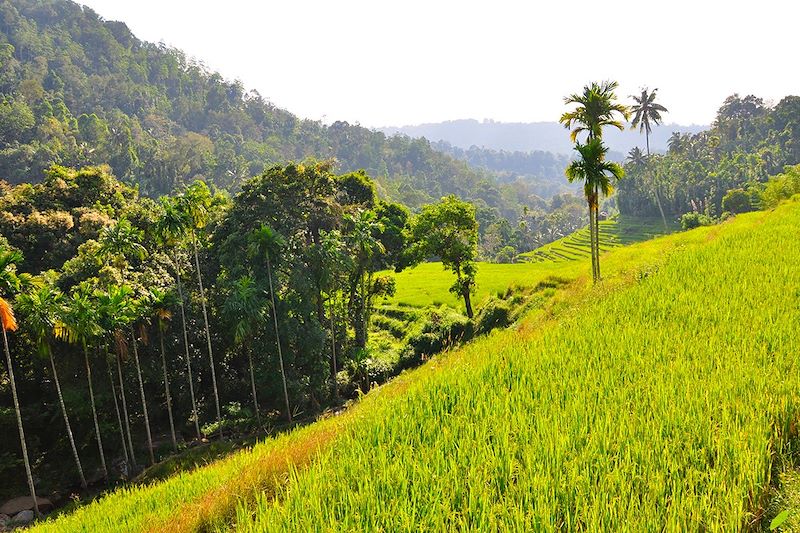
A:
<point x="781" y="187"/>
<point x="695" y="220"/>
<point x="737" y="201"/>
<point x="493" y="314"/>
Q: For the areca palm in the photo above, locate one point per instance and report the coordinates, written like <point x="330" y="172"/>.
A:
<point x="120" y="242"/>
<point x="138" y="310"/>
<point x="79" y="324"/>
<point x="10" y="284"/>
<point x="41" y="308"/>
<point x="646" y="113"/>
<point x="596" y="108"/>
<point x="161" y="303"/>
<point x="195" y="204"/>
<point x="596" y="174"/>
<point x="245" y="308"/>
<point x="265" y="243"/>
<point x="173" y="224"/>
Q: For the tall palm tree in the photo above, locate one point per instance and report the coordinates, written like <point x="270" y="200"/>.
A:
<point x="636" y="158"/>
<point x="596" y="174"/>
<point x="675" y="142"/>
<point x="646" y="113"/>
<point x="196" y="203"/>
<point x="245" y="308"/>
<point x="9" y="284"/>
<point x="138" y="311"/>
<point x="120" y="242"/>
<point x="78" y="324"/>
<point x="265" y="243"/>
<point x="172" y="227"/>
<point x="41" y="308"/>
<point x="161" y="303"/>
<point x="595" y="108"/>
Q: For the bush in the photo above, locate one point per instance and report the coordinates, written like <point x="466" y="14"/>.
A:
<point x="442" y="328"/>
<point x="495" y="314"/>
<point x="781" y="187"/>
<point x="695" y="220"/>
<point x="737" y="201"/>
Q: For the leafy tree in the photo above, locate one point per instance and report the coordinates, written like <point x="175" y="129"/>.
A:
<point x="596" y="174"/>
<point x="266" y="244"/>
<point x="448" y="230"/>
<point x="42" y="308"/>
<point x="10" y="283"/>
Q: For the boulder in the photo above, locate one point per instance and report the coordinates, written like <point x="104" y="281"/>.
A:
<point x="24" y="503"/>
<point x="23" y="517"/>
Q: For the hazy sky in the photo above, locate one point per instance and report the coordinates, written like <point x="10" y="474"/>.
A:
<point x="412" y="61"/>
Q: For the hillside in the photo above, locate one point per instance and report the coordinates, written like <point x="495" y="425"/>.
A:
<point x="663" y="398"/>
<point x="77" y="90"/>
<point x="531" y="136"/>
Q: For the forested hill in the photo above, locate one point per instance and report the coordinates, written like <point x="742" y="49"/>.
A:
<point x="78" y="90"/>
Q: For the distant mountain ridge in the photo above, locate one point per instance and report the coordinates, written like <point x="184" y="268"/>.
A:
<point x="532" y="136"/>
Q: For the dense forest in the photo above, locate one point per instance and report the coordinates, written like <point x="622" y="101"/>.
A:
<point x="748" y="142"/>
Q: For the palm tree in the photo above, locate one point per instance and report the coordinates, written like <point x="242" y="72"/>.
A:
<point x="120" y="242"/>
<point x="596" y="174"/>
<point x="172" y="227"/>
<point x="245" y="308"/>
<point x="9" y="284"/>
<point x="596" y="107"/>
<point x="675" y="142"/>
<point x="78" y="324"/>
<point x="161" y="303"/>
<point x="196" y="203"/>
<point x="41" y="308"/>
<point x="636" y="158"/>
<point x="265" y="243"/>
<point x="646" y="113"/>
<point x="138" y="310"/>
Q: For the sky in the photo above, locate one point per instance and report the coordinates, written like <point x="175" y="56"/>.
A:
<point x="382" y="63"/>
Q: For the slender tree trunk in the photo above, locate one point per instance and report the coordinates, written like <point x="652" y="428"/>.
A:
<point x="116" y="410"/>
<point x="591" y="239"/>
<point x="66" y="422"/>
<point x="18" y="412"/>
<point x="253" y="385"/>
<point x="468" y="303"/>
<point x="125" y="412"/>
<point x="334" y="371"/>
<point x="278" y="340"/>
<point x="144" y="400"/>
<point x="655" y="185"/>
<point x="597" y="234"/>
<point x="186" y="346"/>
<point x="94" y="412"/>
<point x="208" y="334"/>
<point x="166" y="390"/>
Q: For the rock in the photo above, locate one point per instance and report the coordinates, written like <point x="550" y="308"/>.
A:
<point x="23" y="517"/>
<point x="24" y="503"/>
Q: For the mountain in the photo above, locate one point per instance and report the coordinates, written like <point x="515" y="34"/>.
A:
<point x="532" y="136"/>
<point x="79" y="90"/>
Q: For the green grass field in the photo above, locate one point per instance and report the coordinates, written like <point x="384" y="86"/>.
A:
<point x="660" y="400"/>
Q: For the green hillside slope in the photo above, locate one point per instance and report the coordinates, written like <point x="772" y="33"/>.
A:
<point x="659" y="400"/>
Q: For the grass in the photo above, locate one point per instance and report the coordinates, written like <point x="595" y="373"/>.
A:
<point x="658" y="400"/>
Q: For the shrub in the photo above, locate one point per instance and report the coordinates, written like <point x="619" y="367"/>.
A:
<point x="442" y="328"/>
<point x="495" y="314"/>
<point x="737" y="201"/>
<point x="695" y="220"/>
<point x="781" y="187"/>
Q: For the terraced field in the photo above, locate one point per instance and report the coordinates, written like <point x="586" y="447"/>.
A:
<point x="664" y="399"/>
<point x="613" y="233"/>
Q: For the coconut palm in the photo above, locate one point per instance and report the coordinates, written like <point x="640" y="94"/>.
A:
<point x="265" y="243"/>
<point x="636" y="158"/>
<point x="119" y="243"/>
<point x="196" y="203"/>
<point x="675" y="142"/>
<point x="10" y="284"/>
<point x="646" y="113"/>
<point x="41" y="308"/>
<point x="78" y="324"/>
<point x="596" y="108"/>
<point x="596" y="174"/>
<point x="172" y="227"/>
<point x="161" y="304"/>
<point x="245" y="308"/>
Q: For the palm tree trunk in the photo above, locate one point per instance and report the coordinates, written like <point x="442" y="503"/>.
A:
<point x="125" y="412"/>
<point x="116" y="410"/>
<point x="144" y="400"/>
<point x="253" y="385"/>
<point x="186" y="346"/>
<point x="278" y="340"/>
<point x="18" y="412"/>
<point x="660" y="209"/>
<point x="591" y="240"/>
<point x="208" y="334"/>
<point x="166" y="390"/>
<point x="66" y="422"/>
<point x="334" y="371"/>
<point x="597" y="234"/>
<point x="94" y="412"/>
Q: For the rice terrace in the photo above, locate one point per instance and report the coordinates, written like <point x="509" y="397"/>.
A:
<point x="222" y="315"/>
